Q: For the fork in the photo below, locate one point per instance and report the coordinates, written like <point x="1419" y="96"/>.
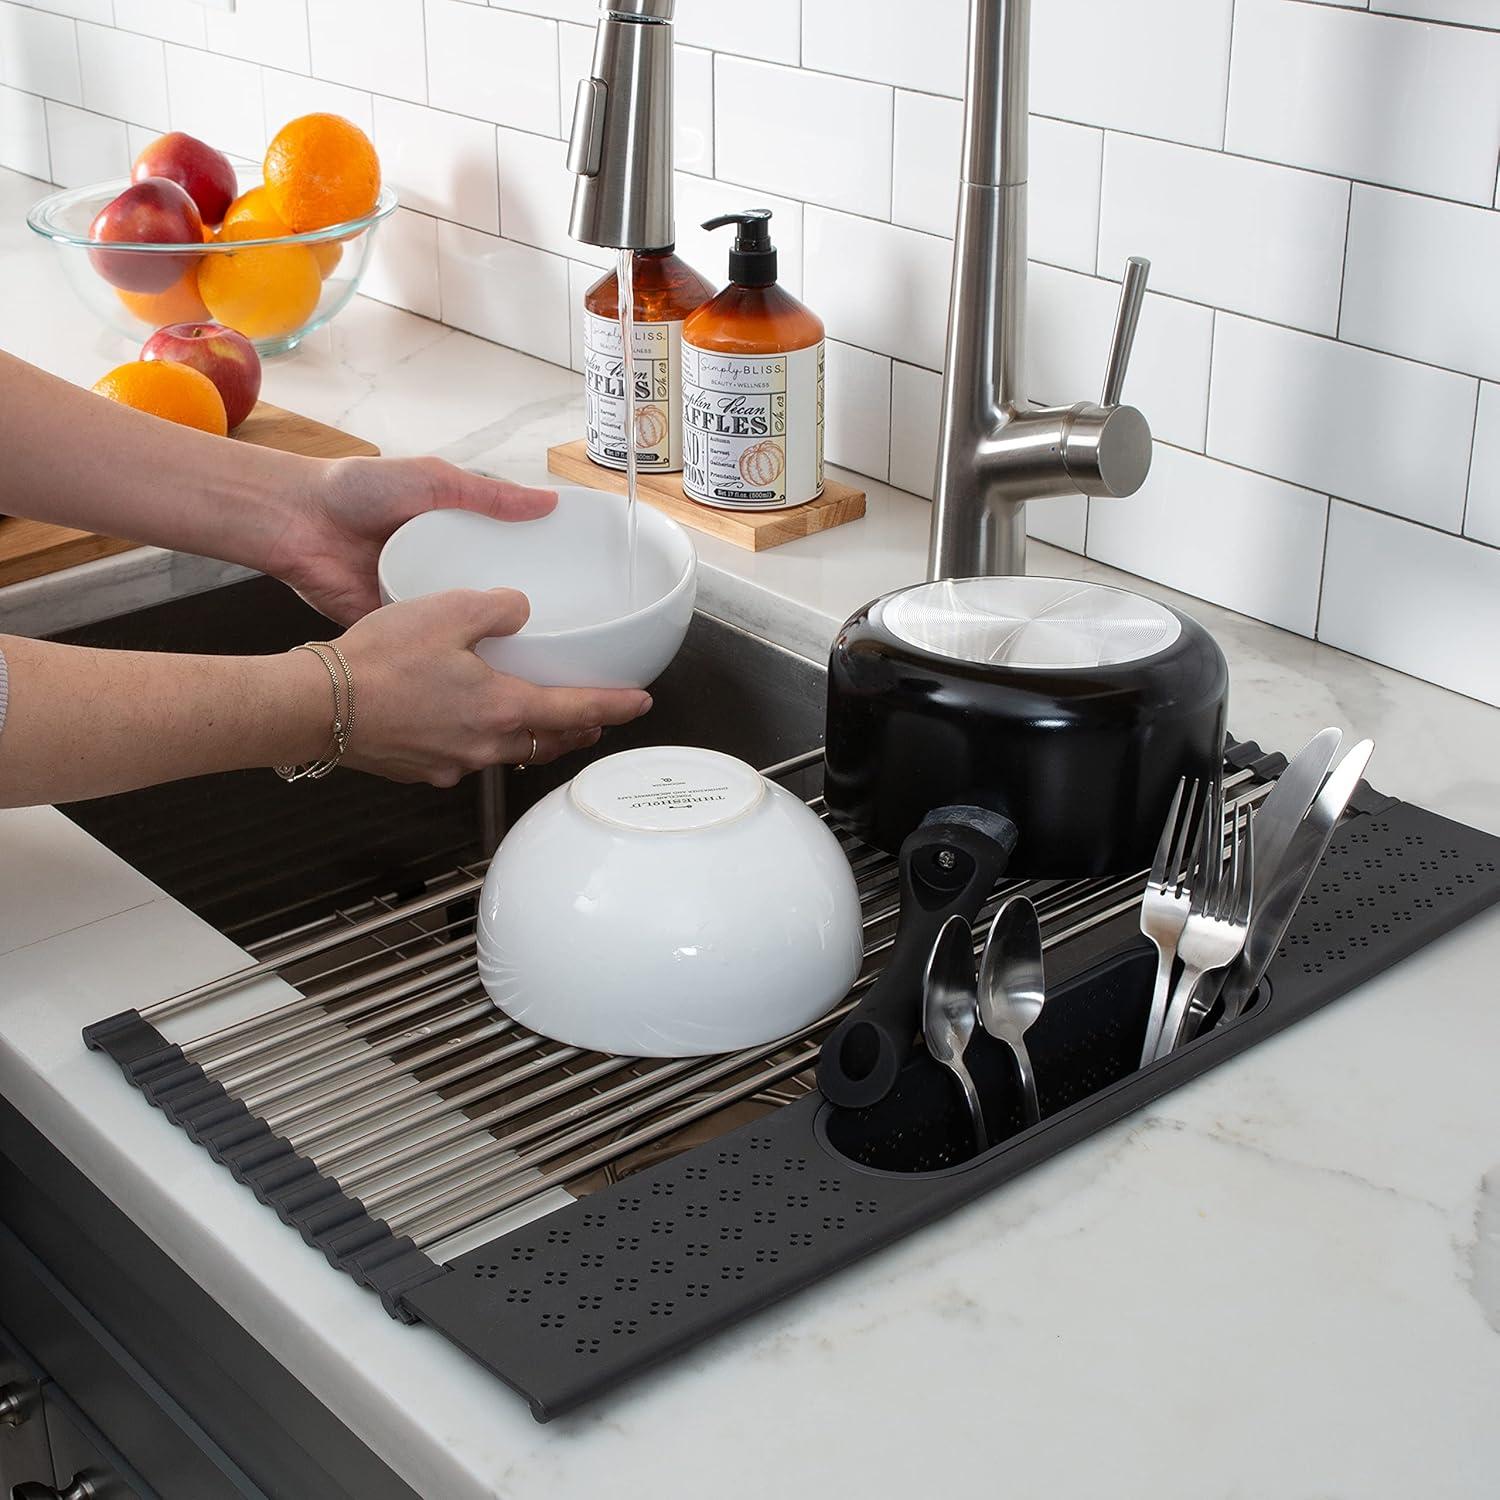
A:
<point x="1218" y="919"/>
<point x="1164" y="909"/>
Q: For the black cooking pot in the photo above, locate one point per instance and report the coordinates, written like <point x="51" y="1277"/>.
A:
<point x="1070" y="708"/>
<point x="1045" y="719"/>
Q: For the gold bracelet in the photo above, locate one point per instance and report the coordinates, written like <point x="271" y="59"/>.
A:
<point x="343" y="714"/>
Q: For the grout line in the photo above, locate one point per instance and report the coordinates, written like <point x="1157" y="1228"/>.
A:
<point x="1208" y="397"/>
<point x="1229" y="73"/>
<point x="1398" y="15"/>
<point x="1463" y="519"/>
<point x="1099" y="219"/>
<point x="1338" y="317"/>
<point x="1323" y="566"/>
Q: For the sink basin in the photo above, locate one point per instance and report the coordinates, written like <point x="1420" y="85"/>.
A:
<point x="253" y="856"/>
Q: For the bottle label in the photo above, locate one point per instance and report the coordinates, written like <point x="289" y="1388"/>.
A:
<point x="752" y="427"/>
<point x="658" y="394"/>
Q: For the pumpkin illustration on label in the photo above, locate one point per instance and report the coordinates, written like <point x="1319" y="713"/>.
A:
<point x="763" y="464"/>
<point x="650" y="427"/>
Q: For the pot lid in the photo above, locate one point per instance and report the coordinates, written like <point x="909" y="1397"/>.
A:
<point x="1036" y="624"/>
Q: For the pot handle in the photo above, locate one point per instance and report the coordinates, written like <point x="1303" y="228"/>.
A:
<point x="949" y="866"/>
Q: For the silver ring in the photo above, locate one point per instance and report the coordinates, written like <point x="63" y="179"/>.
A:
<point x="522" y="764"/>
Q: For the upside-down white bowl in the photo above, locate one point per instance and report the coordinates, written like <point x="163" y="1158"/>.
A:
<point x="586" y="628"/>
<point x="669" y="902"/>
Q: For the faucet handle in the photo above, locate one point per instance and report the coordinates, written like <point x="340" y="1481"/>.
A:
<point x="1132" y="295"/>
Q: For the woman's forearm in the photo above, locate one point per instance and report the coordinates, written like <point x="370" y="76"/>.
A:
<point x="84" y="723"/>
<point x="76" y="459"/>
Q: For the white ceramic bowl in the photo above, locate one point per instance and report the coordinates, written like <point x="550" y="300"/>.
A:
<point x="669" y="902"/>
<point x="584" y="630"/>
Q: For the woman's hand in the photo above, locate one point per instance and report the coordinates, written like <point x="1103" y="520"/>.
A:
<point x="428" y="709"/>
<point x="331" y="544"/>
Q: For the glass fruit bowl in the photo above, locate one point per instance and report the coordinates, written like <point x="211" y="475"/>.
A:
<point x="274" y="291"/>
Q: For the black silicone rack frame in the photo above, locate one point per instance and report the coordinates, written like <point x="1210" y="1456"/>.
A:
<point x="389" y="1108"/>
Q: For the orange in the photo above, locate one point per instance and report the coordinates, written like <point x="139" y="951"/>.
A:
<point x="264" y="292"/>
<point x="175" y="392"/>
<point x="321" y="170"/>
<point x="252" y="218"/>
<point x="180" y="303"/>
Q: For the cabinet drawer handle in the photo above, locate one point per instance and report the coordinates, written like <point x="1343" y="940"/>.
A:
<point x="17" y="1402"/>
<point x="82" y="1488"/>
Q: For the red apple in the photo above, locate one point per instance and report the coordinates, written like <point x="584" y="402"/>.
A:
<point x="153" y="212"/>
<point x="202" y="172"/>
<point x="226" y="357"/>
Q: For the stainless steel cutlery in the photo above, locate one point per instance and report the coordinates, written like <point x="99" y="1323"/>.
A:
<point x="1218" y="919"/>
<point x="950" y="1012"/>
<point x="1164" y="909"/>
<point x="1288" y="883"/>
<point x="1013" y="988"/>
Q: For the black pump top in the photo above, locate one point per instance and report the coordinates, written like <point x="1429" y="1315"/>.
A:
<point x="752" y="262"/>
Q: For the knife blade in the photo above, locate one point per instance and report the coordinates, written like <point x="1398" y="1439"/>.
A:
<point x="1269" y="922"/>
<point x="1278" y="818"/>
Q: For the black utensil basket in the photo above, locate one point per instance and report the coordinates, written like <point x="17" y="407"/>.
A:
<point x="578" y="1301"/>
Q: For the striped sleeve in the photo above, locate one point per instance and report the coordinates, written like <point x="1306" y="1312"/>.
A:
<point x="4" y="688"/>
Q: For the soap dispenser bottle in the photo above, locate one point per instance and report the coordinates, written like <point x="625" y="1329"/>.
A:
<point x="752" y="385"/>
<point x="667" y="289"/>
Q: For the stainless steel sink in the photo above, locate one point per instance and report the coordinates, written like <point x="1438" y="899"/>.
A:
<point x="254" y="856"/>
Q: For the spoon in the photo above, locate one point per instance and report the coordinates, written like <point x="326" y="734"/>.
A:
<point x="1013" y="988"/>
<point x="949" y="1013"/>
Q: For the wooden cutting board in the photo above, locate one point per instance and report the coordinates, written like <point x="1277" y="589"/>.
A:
<point x="753" y="529"/>
<point x="30" y="549"/>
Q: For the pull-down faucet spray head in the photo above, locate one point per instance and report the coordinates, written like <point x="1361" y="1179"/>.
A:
<point x="621" y="145"/>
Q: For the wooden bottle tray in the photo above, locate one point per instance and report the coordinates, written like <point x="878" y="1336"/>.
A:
<point x="754" y="530"/>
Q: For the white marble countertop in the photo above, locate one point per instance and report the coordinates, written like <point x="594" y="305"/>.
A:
<point x="1281" y="1280"/>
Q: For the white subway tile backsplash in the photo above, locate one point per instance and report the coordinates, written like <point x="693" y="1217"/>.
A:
<point x="506" y="292"/>
<point x="884" y="45"/>
<point x="1343" y="420"/>
<point x="1482" y="518"/>
<point x="767" y="29"/>
<point x="824" y="139"/>
<point x="878" y="285"/>
<point x="1071" y="320"/>
<point x="493" y="64"/>
<point x="171" y="20"/>
<point x="1259" y="542"/>
<point x="1063" y="194"/>
<point x="693" y="111"/>
<point x="217" y="99"/>
<point x="927" y="147"/>
<point x="85" y="147"/>
<point x="378" y="45"/>
<point x="916" y="397"/>
<point x="1366" y="96"/>
<point x="403" y="266"/>
<point x="536" y="195"/>
<point x="1244" y="235"/>
<point x="39" y="53"/>
<point x="858" y="415"/>
<point x="707" y="251"/>
<point x="23" y="134"/>
<point x="83" y="10"/>
<point x="438" y="163"/>
<point x="1218" y="137"/>
<point x="288" y="95"/>
<point x="273" y="32"/>
<point x="1421" y="279"/>
<point x="1415" y="599"/>
<point x="1460" y="12"/>
<point x="124" y="75"/>
<point x="1155" y="67"/>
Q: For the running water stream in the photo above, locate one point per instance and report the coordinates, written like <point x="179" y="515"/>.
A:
<point x="626" y="299"/>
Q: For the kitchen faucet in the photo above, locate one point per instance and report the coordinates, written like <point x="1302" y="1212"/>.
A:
<point x="996" y="449"/>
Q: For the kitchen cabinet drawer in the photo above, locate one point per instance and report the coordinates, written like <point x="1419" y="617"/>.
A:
<point x="82" y="1466"/>
<point x="24" y="1453"/>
